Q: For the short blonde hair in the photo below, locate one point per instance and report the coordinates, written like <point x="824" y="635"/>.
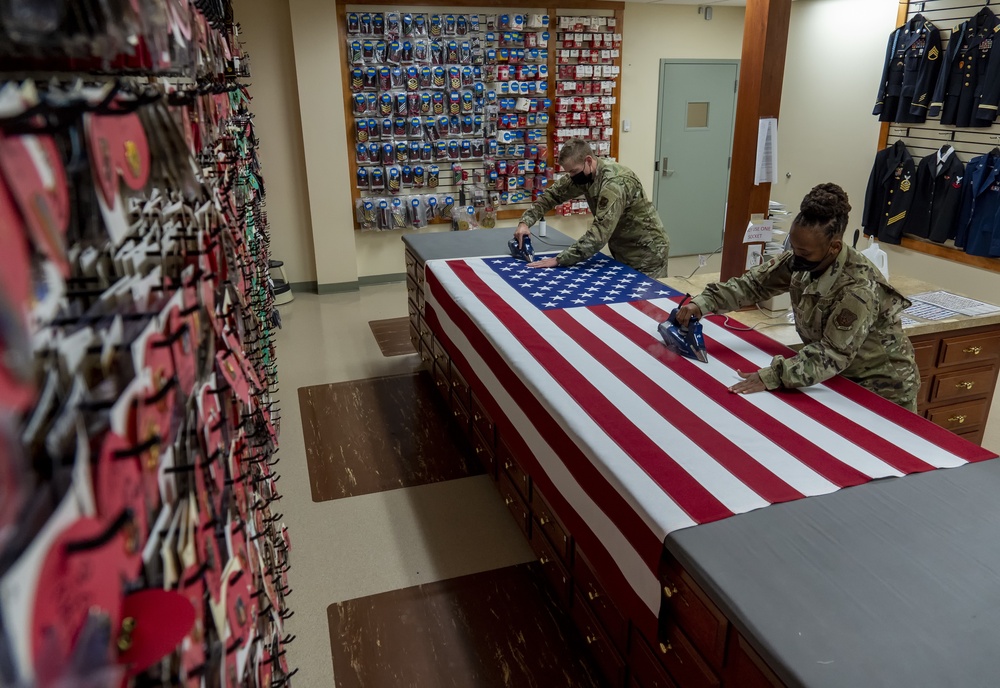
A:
<point x="574" y="150"/>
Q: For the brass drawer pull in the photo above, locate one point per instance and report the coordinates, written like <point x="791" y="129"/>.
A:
<point x="479" y="450"/>
<point x="669" y="592"/>
<point x="543" y="560"/>
<point x="665" y="648"/>
<point x="508" y="501"/>
<point x="974" y="350"/>
<point x="957" y="419"/>
<point x="543" y="520"/>
<point x="966" y="385"/>
<point x="592" y="595"/>
<point x="591" y="639"/>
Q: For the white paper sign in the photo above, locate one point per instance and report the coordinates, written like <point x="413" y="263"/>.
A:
<point x="767" y="152"/>
<point x="759" y="232"/>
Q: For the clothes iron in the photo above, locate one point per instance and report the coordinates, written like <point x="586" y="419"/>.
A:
<point x="687" y="341"/>
<point x="525" y="252"/>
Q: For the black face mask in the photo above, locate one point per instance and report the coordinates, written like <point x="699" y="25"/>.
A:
<point x="582" y="179"/>
<point x="800" y="264"/>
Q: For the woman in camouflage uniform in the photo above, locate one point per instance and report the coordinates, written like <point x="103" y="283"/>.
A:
<point x="846" y="313"/>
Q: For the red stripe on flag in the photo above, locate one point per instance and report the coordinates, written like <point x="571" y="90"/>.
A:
<point x="853" y="432"/>
<point x="648" y="545"/>
<point x="697" y="501"/>
<point x="745" y="467"/>
<point x="810" y="454"/>
<point x="907" y="420"/>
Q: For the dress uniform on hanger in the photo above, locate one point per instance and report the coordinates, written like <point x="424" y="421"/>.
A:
<point x="980" y="205"/>
<point x="937" y="196"/>
<point x="890" y="193"/>
<point x="963" y="80"/>
<point x="912" y="62"/>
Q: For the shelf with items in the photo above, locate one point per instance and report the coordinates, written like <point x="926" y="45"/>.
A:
<point x="435" y="89"/>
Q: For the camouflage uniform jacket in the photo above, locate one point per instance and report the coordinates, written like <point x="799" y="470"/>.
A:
<point x="623" y="219"/>
<point x="848" y="319"/>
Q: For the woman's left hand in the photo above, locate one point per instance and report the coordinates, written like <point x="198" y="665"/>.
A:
<point x="544" y="263"/>
<point x="751" y="383"/>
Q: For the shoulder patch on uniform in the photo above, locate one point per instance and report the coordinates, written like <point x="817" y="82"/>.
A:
<point x="603" y="203"/>
<point x="845" y="318"/>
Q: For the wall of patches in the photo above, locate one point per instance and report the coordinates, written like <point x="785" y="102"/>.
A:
<point x="140" y="540"/>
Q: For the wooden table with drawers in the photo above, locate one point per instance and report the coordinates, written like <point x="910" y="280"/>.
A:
<point x="742" y="605"/>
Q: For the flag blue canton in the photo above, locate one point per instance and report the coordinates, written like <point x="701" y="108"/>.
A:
<point x="597" y="281"/>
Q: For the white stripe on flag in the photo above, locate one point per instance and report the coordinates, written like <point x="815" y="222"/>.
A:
<point x="797" y="422"/>
<point x="907" y="441"/>
<point x="685" y="451"/>
<point x="637" y="573"/>
<point x="769" y="454"/>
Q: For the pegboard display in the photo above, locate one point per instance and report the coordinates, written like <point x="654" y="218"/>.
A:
<point x="588" y="67"/>
<point x="140" y="543"/>
<point x="452" y="112"/>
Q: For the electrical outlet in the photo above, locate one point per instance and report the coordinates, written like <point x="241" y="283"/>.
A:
<point x="626" y="125"/>
<point x="702" y="260"/>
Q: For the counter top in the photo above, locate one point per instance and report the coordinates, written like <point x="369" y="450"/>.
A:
<point x="779" y="326"/>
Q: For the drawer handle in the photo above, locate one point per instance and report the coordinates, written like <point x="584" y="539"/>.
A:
<point x="508" y="501"/>
<point x="544" y="520"/>
<point x="669" y="592"/>
<point x="965" y="385"/>
<point x="456" y="413"/>
<point x="592" y="595"/>
<point x="507" y="465"/>
<point x="974" y="350"/>
<point x="479" y="450"/>
<point x="543" y="560"/>
<point x="957" y="419"/>
<point x="666" y="648"/>
<point x="476" y="417"/>
<point x="591" y="639"/>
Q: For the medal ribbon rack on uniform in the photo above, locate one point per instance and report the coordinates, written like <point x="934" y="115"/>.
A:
<point x="140" y="542"/>
<point x="956" y="72"/>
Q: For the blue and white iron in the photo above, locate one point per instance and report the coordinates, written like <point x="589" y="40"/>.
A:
<point x="687" y="341"/>
<point x="524" y="252"/>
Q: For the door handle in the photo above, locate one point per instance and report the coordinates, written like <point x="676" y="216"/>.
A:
<point x="664" y="172"/>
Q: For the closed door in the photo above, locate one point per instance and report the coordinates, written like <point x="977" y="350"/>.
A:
<point x="694" y="148"/>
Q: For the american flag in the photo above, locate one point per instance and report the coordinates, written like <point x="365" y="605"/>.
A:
<point x="629" y="441"/>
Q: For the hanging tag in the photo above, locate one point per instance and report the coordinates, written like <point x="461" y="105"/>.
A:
<point x="81" y="572"/>
<point x="159" y="622"/>
<point x="37" y="180"/>
<point x="118" y="487"/>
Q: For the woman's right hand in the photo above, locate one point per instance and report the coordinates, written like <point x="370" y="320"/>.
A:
<point x="686" y="312"/>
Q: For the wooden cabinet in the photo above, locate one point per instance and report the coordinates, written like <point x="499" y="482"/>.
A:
<point x="958" y="374"/>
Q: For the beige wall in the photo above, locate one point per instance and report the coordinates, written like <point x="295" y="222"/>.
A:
<point x="267" y="32"/>
<point x="655" y="32"/>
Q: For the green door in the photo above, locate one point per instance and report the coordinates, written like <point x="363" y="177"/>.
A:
<point x="694" y="144"/>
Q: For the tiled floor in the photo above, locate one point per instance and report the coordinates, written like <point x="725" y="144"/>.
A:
<point x="375" y="543"/>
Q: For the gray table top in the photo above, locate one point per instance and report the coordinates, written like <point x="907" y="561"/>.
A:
<point x="892" y="583"/>
<point x="477" y="242"/>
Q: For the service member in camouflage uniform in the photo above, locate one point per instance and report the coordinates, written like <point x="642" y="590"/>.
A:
<point x="847" y="315"/>
<point x="623" y="218"/>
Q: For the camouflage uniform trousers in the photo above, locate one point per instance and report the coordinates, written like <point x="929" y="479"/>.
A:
<point x="848" y="318"/>
<point x="623" y="219"/>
